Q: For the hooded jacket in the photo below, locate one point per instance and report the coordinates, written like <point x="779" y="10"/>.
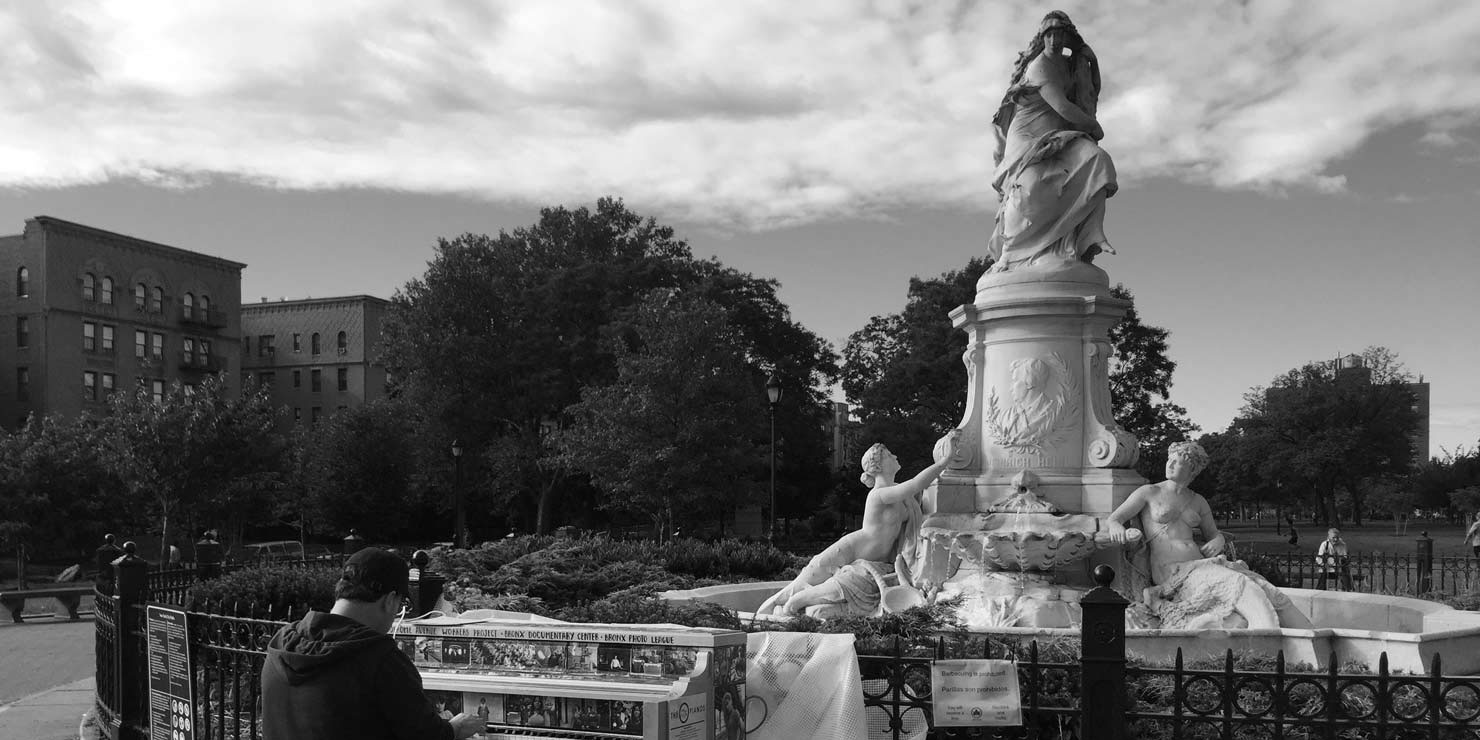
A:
<point x="329" y="677"/>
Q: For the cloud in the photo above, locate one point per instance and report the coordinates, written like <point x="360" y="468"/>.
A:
<point x="754" y="114"/>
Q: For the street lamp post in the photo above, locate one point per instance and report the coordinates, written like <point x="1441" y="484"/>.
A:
<point x="459" y="512"/>
<point x="773" y="395"/>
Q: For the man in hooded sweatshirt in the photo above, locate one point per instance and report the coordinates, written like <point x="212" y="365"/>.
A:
<point x="339" y="674"/>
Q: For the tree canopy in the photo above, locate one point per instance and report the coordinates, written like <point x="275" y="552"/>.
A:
<point x="499" y="336"/>
<point x="674" y="436"/>
<point x="1323" y="433"/>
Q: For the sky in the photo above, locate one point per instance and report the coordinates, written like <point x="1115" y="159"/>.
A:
<point x="1299" y="179"/>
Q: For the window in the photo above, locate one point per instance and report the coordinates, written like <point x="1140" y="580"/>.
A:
<point x="89" y="336"/>
<point x="22" y="283"/>
<point x="141" y="344"/>
<point x="23" y="383"/>
<point x="141" y="296"/>
<point x="89" y="287"/>
<point x="156" y="390"/>
<point x="246" y="346"/>
<point x="343" y="343"/>
<point x="297" y="378"/>
<point x="108" y="338"/>
<point x="89" y="385"/>
<point x="22" y="331"/>
<point x="157" y="349"/>
<point x="205" y="348"/>
<point x="189" y="389"/>
<point x="316" y="380"/>
<point x="267" y="380"/>
<point x="297" y="415"/>
<point x="264" y="346"/>
<point x="205" y="306"/>
<point x="340" y="408"/>
<point x="343" y="378"/>
<point x="314" y="342"/>
<point x="109" y="381"/>
<point x="188" y="302"/>
<point x="156" y="300"/>
<point x="297" y="342"/>
<point x="105" y="292"/>
<point x="315" y="414"/>
<point x="188" y="350"/>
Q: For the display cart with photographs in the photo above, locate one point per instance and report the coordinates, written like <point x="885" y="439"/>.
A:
<point x="582" y="680"/>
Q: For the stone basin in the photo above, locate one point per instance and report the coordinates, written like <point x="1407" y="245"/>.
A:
<point x="1352" y="626"/>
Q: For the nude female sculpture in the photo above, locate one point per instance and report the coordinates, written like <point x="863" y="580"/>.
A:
<point x="852" y="573"/>
<point x="1195" y="586"/>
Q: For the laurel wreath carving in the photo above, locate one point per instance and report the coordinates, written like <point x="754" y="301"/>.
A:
<point x="1053" y="429"/>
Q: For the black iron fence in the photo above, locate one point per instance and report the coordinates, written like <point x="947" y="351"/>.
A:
<point x="1417" y="574"/>
<point x="1084" y="689"/>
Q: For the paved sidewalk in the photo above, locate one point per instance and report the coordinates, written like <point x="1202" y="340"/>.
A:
<point x="55" y="714"/>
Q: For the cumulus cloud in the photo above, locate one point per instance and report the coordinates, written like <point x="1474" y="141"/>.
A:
<point x="755" y="113"/>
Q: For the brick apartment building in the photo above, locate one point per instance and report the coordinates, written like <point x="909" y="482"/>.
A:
<point x="85" y="312"/>
<point x="317" y="355"/>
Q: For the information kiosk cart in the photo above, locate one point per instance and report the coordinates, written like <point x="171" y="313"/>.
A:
<point x="534" y="679"/>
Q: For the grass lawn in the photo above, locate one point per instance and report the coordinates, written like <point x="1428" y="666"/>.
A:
<point x="1375" y="537"/>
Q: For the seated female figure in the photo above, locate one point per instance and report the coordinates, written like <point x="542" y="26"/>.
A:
<point x="1196" y="587"/>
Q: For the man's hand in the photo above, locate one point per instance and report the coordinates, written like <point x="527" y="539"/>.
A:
<point x="466" y="725"/>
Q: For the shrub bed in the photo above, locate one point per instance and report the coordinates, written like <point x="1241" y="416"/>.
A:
<point x="275" y="592"/>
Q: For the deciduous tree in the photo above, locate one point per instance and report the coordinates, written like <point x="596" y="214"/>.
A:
<point x="673" y="437"/>
<point x="1319" y="431"/>
<point x="195" y="456"/>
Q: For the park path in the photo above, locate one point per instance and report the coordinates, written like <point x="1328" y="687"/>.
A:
<point x="43" y="654"/>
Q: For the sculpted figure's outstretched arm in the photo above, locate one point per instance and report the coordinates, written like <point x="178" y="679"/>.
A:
<point x="915" y="486"/>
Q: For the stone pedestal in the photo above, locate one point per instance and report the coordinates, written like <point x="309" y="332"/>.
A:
<point x="1038" y="398"/>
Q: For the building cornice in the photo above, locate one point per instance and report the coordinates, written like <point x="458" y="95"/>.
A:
<point x="308" y="304"/>
<point x="57" y="225"/>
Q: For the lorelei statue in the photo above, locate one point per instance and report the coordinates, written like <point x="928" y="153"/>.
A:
<point x="852" y="575"/>
<point x="1052" y="177"/>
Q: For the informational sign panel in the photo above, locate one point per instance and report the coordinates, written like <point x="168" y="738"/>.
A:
<point x="170" y="714"/>
<point x="970" y="693"/>
<point x="688" y="718"/>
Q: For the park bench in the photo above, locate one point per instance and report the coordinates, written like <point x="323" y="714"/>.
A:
<point x="68" y="592"/>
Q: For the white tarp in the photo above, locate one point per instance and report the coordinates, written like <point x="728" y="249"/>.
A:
<point x="803" y="685"/>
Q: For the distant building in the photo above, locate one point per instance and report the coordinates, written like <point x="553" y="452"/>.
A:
<point x="316" y="355"/>
<point x="1352" y="369"/>
<point x="86" y="312"/>
<point x="843" y="432"/>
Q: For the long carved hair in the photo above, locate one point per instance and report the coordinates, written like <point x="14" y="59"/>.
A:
<point x="1084" y="90"/>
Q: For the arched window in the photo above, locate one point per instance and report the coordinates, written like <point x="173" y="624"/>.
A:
<point x="205" y="304"/>
<point x="141" y="296"/>
<point x="22" y="283"/>
<point x="105" y="295"/>
<point x="156" y="300"/>
<point x="343" y="343"/>
<point x="89" y="287"/>
<point x="188" y="301"/>
<point x="315" y="343"/>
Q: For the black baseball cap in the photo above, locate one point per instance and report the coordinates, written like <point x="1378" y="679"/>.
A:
<point x="378" y="571"/>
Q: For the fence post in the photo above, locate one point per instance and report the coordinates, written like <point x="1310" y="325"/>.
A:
<point x="131" y="574"/>
<point x="1102" y="692"/>
<point x="426" y="585"/>
<point x="208" y="557"/>
<point x="105" y="557"/>
<point x="1425" y="563"/>
<point x="353" y="543"/>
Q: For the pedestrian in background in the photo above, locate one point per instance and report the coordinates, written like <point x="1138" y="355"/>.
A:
<point x="1472" y="536"/>
<point x="1332" y="559"/>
